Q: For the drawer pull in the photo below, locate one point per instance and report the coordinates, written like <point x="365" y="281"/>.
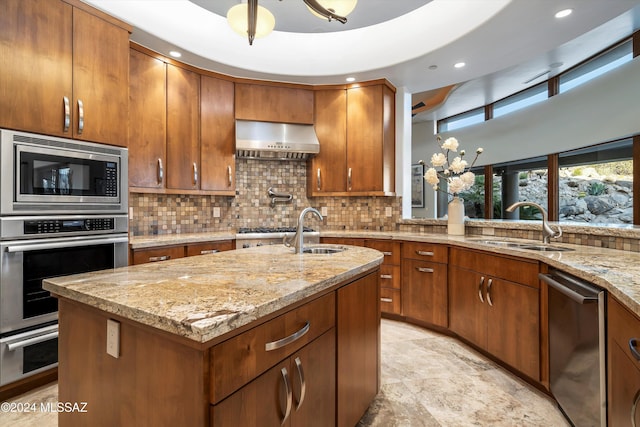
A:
<point x="209" y="251"/>
<point x="159" y="258"/>
<point x="633" y="344"/>
<point x="480" y="289"/>
<point x="303" y="383"/>
<point x="424" y="253"/>
<point x="386" y="276"/>
<point x="489" y="292"/>
<point x="386" y="299"/>
<point x="387" y="253"/>
<point x="285" y="380"/>
<point x="274" y="345"/>
<point x="424" y="270"/>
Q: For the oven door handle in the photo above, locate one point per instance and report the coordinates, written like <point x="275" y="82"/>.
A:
<point x="65" y="244"/>
<point x="30" y="341"/>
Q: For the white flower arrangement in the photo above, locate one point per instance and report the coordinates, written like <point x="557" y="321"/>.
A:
<point x="458" y="176"/>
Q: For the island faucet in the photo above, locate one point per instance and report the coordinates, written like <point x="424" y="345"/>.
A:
<point x="547" y="231"/>
<point x="297" y="239"/>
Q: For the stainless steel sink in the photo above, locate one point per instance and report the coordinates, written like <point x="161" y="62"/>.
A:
<point x="523" y="245"/>
<point x="323" y="250"/>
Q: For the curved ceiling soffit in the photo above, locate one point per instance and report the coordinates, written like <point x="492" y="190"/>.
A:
<point x="432" y="99"/>
<point x="300" y="54"/>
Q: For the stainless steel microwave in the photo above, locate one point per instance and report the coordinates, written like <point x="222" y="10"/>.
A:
<point x="44" y="174"/>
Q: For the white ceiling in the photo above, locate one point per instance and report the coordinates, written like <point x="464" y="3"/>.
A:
<point x="503" y="42"/>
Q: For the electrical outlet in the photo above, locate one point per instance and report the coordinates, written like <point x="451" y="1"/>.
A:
<point x="388" y="211"/>
<point x="113" y="338"/>
<point x="324" y="210"/>
<point x="131" y="212"/>
<point x="216" y="212"/>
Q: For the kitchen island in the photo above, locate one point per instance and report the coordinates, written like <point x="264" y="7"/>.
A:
<point x="246" y="337"/>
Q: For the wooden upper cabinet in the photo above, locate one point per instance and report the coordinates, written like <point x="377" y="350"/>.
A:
<point x="100" y="80"/>
<point x="327" y="171"/>
<point x="370" y="139"/>
<point x="148" y="115"/>
<point x="273" y="103"/>
<point x="183" y="129"/>
<point x="55" y="54"/>
<point x="217" y="135"/>
<point x="36" y="51"/>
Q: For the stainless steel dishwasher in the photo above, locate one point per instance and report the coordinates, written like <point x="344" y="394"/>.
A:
<point x="577" y="348"/>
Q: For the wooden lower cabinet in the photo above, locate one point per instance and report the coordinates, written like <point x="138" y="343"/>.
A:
<point x="209" y="247"/>
<point x="358" y="369"/>
<point x="299" y="391"/>
<point x="623" y="368"/>
<point x="424" y="291"/>
<point x="165" y="253"/>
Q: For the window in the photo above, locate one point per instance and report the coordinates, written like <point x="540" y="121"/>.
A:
<point x="519" y="181"/>
<point x="461" y="120"/>
<point x="596" y="184"/>
<point x="474" y="197"/>
<point x="597" y="66"/>
<point x="520" y="100"/>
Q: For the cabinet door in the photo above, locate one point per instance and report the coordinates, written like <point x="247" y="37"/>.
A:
<point x="327" y="171"/>
<point x="142" y="256"/>
<point x="100" y="80"/>
<point x="358" y="320"/>
<point x="148" y="114"/>
<point x="467" y="306"/>
<point x="183" y="129"/>
<point x="624" y="387"/>
<point x="513" y="320"/>
<point x="424" y="291"/>
<point x="36" y="51"/>
<point x="274" y="103"/>
<point x="217" y="135"/>
<point x="209" y="247"/>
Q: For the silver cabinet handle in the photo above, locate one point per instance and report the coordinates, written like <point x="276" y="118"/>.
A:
<point x="230" y="175"/>
<point x="67" y="114"/>
<point x="209" y="251"/>
<point x="480" y="289"/>
<point x="386" y="299"/>
<point x="633" y="343"/>
<point x="274" y="345"/>
<point x="386" y="276"/>
<point x="80" y="116"/>
<point x="319" y="180"/>
<point x="634" y="408"/>
<point x="195" y="174"/>
<point x="159" y="258"/>
<point x="285" y="380"/>
<point x="489" y="292"/>
<point x="424" y="253"/>
<point x="30" y="341"/>
<point x="349" y="179"/>
<point x="424" y="270"/>
<point x="160" y="171"/>
<point x="303" y="383"/>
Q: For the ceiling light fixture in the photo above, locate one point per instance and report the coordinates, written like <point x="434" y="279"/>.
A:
<point x="563" y="13"/>
<point x="351" y="79"/>
<point x="459" y="64"/>
<point x="256" y="21"/>
<point x="175" y="54"/>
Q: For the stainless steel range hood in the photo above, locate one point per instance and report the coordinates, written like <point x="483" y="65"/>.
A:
<point x="275" y="141"/>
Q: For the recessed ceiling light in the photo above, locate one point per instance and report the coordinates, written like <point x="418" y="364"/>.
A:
<point x="563" y="13"/>
<point x="175" y="54"/>
<point x="351" y="79"/>
<point x="433" y="67"/>
<point x="459" y="64"/>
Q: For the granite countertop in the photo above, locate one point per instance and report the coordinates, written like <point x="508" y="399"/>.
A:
<point x="140" y="242"/>
<point x="203" y="297"/>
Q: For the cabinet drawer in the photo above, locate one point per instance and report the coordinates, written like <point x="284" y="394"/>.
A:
<point x="489" y="264"/>
<point x="390" y="300"/>
<point x="623" y="325"/>
<point x="391" y="250"/>
<point x="240" y="359"/>
<point x="209" y="247"/>
<point x="342" y="241"/>
<point x="165" y="253"/>
<point x="390" y="276"/>
<point x="425" y="251"/>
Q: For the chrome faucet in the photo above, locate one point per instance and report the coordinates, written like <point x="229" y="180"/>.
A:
<point x="297" y="239"/>
<point x="547" y="231"/>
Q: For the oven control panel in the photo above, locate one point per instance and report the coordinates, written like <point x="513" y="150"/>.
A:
<point x="50" y="226"/>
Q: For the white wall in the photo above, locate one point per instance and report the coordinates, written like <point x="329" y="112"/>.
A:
<point x="601" y="110"/>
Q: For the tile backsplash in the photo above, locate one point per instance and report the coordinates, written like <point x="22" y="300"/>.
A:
<point x="252" y="207"/>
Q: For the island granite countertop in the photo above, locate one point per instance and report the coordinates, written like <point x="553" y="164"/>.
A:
<point x="203" y="297"/>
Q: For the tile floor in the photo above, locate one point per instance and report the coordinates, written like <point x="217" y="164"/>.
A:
<point x="427" y="380"/>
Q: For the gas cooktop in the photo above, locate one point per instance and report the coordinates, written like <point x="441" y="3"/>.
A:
<point x="260" y="230"/>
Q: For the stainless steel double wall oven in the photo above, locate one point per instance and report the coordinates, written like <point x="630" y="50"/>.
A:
<point x="63" y="210"/>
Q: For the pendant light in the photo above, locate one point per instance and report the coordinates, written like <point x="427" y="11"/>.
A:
<point x="249" y="19"/>
<point x="338" y="9"/>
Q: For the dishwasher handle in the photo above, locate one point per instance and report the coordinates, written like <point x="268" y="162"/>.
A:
<point x="589" y="296"/>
